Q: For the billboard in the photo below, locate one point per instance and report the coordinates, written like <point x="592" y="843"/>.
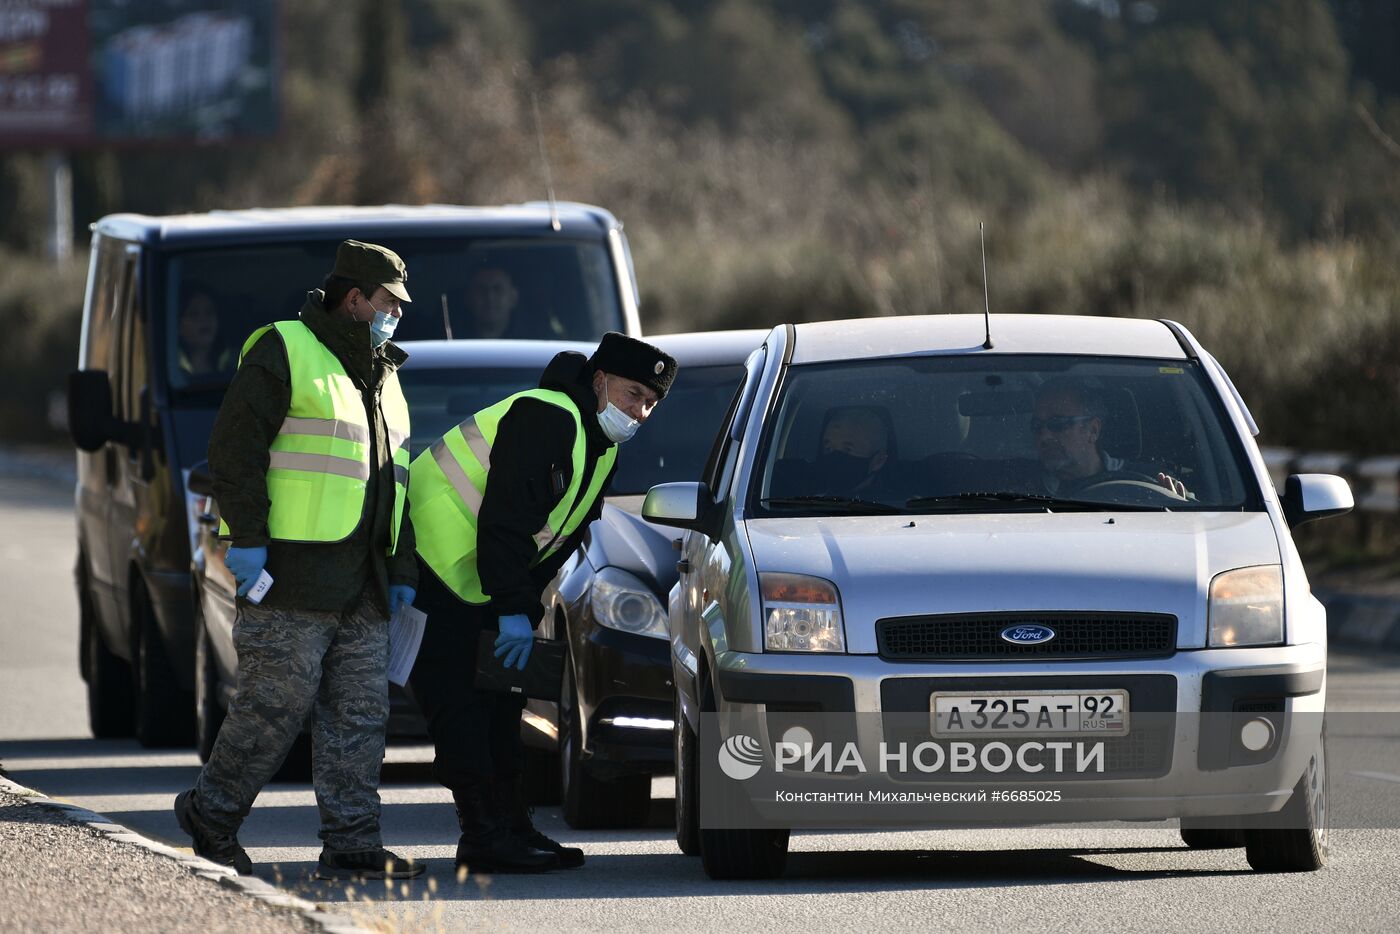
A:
<point x="101" y="72"/>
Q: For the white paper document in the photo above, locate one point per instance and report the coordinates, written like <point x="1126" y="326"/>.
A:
<point x="405" y="635"/>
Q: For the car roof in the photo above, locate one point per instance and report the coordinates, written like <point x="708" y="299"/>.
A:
<point x="254" y="225"/>
<point x="859" y="338"/>
<point x="708" y="348"/>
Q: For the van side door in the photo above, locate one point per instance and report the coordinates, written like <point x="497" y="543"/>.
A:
<point x="97" y="470"/>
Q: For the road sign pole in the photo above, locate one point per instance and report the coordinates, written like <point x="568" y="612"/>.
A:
<point x="60" y="233"/>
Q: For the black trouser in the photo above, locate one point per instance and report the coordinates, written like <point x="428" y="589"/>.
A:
<point x="476" y="734"/>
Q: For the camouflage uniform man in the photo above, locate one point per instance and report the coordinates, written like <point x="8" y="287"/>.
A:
<point x="309" y="456"/>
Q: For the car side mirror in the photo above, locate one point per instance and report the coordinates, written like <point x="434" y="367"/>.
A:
<point x="90" y="420"/>
<point x="1309" y="496"/>
<point x="683" y="505"/>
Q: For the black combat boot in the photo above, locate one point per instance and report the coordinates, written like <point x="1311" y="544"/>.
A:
<point x="510" y="798"/>
<point x="221" y="848"/>
<point x="487" y="845"/>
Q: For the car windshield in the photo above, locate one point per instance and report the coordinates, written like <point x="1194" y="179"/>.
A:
<point x="462" y="289"/>
<point x="997" y="433"/>
<point x="673" y="444"/>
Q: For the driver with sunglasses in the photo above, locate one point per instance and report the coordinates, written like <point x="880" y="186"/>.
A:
<point x="1068" y="421"/>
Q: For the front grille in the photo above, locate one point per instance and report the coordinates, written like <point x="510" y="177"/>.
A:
<point x="977" y="636"/>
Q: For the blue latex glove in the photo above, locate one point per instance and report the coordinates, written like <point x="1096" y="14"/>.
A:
<point x="400" y="595"/>
<point x="246" y="564"/>
<point x="516" y="640"/>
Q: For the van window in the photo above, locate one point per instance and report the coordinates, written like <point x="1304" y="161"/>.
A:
<point x="464" y="289"/>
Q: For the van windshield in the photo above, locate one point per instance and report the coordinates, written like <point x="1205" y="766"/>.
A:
<point x="998" y="433"/>
<point x="462" y="289"/>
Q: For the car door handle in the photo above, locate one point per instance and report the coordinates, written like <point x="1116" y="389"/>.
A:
<point x="683" y="566"/>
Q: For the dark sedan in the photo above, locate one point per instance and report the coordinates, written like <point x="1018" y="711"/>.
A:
<point x="611" y="730"/>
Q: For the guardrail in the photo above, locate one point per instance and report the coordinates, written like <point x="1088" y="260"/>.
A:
<point x="1375" y="481"/>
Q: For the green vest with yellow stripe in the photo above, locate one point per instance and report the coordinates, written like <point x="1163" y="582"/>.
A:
<point x="319" y="463"/>
<point x="449" y="484"/>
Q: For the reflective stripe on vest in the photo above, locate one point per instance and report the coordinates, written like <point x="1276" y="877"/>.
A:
<point x="319" y="463"/>
<point x="449" y="485"/>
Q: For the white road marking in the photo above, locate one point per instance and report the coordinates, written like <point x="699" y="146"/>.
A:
<point x="1383" y="776"/>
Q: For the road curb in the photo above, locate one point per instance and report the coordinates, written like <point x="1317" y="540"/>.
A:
<point x="1362" y="619"/>
<point x="251" y="886"/>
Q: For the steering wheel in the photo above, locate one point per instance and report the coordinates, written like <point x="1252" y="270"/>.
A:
<point x="1132" y="488"/>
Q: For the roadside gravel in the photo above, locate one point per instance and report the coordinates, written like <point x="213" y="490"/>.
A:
<point x="60" y="875"/>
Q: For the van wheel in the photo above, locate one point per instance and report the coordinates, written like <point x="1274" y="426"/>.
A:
<point x="687" y="785"/>
<point x="164" y="710"/>
<point x="734" y="853"/>
<point x="590" y="802"/>
<point x="109" y="689"/>
<point x="1297" y="841"/>
<point x="208" y="710"/>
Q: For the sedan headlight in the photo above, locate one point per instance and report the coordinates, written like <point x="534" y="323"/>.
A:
<point x="620" y="601"/>
<point x="1246" y="607"/>
<point x="801" y="614"/>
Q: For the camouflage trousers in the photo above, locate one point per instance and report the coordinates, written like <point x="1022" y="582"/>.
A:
<point x="291" y="662"/>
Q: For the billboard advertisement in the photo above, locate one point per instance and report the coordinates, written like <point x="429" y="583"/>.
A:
<point x="101" y="72"/>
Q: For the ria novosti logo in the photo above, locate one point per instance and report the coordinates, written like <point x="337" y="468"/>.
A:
<point x="740" y="757"/>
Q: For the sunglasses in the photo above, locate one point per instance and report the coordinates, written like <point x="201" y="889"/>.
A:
<point x="1057" y="423"/>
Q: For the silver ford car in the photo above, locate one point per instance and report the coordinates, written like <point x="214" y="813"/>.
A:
<point x="1036" y="561"/>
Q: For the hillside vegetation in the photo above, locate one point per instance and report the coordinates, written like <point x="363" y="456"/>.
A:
<point x="1229" y="166"/>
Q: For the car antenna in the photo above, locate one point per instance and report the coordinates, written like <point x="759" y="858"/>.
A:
<point x="446" y="322"/>
<point x="544" y="159"/>
<point x="986" y="295"/>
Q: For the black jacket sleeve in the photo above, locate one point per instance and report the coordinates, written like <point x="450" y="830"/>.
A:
<point x="249" y="419"/>
<point x="531" y="456"/>
<point x="544" y="572"/>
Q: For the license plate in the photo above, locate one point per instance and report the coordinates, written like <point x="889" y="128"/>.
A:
<point x="1063" y="713"/>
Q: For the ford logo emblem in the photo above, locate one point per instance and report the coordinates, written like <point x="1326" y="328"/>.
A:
<point x="1028" y="635"/>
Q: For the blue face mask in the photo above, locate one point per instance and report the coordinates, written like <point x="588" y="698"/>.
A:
<point x="382" y="327"/>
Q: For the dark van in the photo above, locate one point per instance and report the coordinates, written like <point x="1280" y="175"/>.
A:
<point x="169" y="303"/>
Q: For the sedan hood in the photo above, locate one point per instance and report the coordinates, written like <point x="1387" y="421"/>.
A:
<point x="622" y="538"/>
<point x="1122" y="562"/>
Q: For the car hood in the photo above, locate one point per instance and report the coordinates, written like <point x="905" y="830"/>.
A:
<point x="621" y="538"/>
<point x="1124" y="562"/>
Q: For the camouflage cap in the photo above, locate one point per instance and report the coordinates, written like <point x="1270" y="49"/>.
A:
<point x="369" y="262"/>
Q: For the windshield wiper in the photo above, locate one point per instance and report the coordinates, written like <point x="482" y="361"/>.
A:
<point x="1048" y="503"/>
<point x="846" y="503"/>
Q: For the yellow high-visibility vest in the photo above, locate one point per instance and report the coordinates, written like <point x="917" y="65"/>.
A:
<point x="449" y="485"/>
<point x="319" y="464"/>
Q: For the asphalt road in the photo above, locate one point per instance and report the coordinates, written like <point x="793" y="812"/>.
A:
<point x="1099" y="878"/>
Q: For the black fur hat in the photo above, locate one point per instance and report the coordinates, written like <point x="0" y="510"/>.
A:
<point x="637" y="360"/>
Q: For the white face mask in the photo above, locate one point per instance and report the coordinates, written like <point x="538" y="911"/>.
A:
<point x="382" y="327"/>
<point x="616" y="424"/>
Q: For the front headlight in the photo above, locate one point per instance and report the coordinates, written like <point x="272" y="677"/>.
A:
<point x="801" y="614"/>
<point x="620" y="601"/>
<point x="1246" y="607"/>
